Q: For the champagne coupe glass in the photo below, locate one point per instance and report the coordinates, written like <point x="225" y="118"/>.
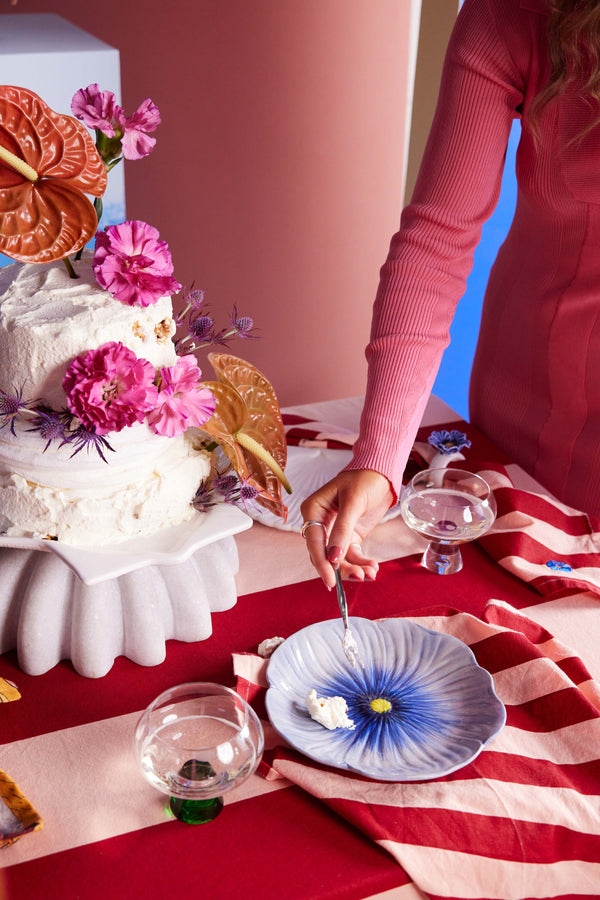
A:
<point x="195" y="742"/>
<point x="450" y="507"/>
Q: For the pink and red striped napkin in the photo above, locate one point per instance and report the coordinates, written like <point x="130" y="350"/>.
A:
<point x="523" y="819"/>
<point x="552" y="547"/>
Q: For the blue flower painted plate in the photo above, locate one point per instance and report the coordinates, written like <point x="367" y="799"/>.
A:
<point x="422" y="706"/>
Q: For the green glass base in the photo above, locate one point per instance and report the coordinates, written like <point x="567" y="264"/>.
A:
<point x="196" y="812"/>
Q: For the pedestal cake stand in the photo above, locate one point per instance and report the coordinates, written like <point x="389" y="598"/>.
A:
<point x="92" y="605"/>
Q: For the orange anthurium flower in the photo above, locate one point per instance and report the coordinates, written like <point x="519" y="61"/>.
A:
<point x="248" y="426"/>
<point x="48" y="162"/>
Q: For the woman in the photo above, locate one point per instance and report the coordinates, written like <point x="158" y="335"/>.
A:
<point x="535" y="385"/>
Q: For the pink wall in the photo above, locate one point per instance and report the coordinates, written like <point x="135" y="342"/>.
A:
<point x="278" y="169"/>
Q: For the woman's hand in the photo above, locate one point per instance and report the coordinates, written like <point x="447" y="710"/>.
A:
<point x="349" y="506"/>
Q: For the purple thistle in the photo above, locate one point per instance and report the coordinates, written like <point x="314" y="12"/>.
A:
<point x="85" y="438"/>
<point x="248" y="493"/>
<point x="201" y="327"/>
<point x="192" y="299"/>
<point x="227" y="485"/>
<point x="204" y="498"/>
<point x="195" y="298"/>
<point x="50" y="424"/>
<point x="243" y="326"/>
<point x="11" y="406"/>
<point x="225" y="481"/>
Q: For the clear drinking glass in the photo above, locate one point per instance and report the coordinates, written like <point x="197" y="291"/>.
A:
<point x="450" y="507"/>
<point x="195" y="742"/>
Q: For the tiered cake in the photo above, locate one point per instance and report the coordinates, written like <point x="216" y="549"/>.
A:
<point x="99" y="414"/>
<point x="149" y="481"/>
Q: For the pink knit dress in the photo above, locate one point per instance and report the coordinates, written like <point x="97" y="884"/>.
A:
<point x="535" y="385"/>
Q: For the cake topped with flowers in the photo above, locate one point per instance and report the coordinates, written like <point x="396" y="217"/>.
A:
<point x="107" y="430"/>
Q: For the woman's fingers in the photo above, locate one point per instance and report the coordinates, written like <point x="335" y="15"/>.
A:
<point x="315" y="535"/>
<point x="345" y="509"/>
<point x="357" y="565"/>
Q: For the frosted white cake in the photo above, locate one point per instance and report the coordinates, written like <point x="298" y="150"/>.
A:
<point x="46" y="320"/>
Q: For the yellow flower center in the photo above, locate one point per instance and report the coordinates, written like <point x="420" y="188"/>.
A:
<point x="379" y="705"/>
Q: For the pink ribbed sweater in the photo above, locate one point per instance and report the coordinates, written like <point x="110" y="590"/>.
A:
<point x="535" y="385"/>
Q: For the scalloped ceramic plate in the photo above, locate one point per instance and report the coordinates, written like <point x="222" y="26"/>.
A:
<point x="443" y="709"/>
<point x="165" y="548"/>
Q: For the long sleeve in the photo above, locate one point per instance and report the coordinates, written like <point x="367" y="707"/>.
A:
<point x="432" y="254"/>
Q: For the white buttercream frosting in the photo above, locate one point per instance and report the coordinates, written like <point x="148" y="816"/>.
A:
<point x="149" y="481"/>
<point x="146" y="484"/>
<point x="48" y="318"/>
<point x="331" y="712"/>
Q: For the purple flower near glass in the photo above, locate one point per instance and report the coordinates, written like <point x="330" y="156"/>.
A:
<point x="110" y="388"/>
<point x="448" y="442"/>
<point x="133" y="264"/>
<point x="181" y="402"/>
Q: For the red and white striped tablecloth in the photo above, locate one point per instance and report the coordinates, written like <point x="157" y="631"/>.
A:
<point x="523" y="819"/>
<point x="519" y="822"/>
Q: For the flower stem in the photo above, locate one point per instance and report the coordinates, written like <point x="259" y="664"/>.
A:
<point x="248" y="443"/>
<point x="69" y="267"/>
<point x="19" y="164"/>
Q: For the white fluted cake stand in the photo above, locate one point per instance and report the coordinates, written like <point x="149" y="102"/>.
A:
<point x="90" y="606"/>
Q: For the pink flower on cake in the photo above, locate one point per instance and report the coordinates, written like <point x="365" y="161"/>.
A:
<point x="136" y="142"/>
<point x="133" y="264"/>
<point x="99" y="110"/>
<point x="181" y="403"/>
<point x="109" y="388"/>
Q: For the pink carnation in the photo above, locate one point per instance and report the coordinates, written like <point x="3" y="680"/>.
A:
<point x="96" y="109"/>
<point x="109" y="388"/>
<point x="135" y="142"/>
<point x="99" y="110"/>
<point x="133" y="264"/>
<point x="181" y="403"/>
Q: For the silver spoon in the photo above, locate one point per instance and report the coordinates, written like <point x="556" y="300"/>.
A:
<point x="349" y="645"/>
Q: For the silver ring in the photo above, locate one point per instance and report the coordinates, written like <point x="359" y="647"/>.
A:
<point x="357" y="545"/>
<point x="310" y="522"/>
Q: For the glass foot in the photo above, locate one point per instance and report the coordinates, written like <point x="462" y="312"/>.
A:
<point x="196" y="812"/>
<point x="442" y="559"/>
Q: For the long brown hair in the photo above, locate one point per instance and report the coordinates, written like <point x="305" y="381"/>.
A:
<point x="574" y="51"/>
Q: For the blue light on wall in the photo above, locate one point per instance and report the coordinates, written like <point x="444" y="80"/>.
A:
<point x="452" y="382"/>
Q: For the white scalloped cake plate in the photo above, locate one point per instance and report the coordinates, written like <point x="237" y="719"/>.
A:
<point x="442" y="707"/>
<point x="164" y="548"/>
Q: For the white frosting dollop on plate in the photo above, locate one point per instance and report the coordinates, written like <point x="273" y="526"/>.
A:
<point x="331" y="712"/>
